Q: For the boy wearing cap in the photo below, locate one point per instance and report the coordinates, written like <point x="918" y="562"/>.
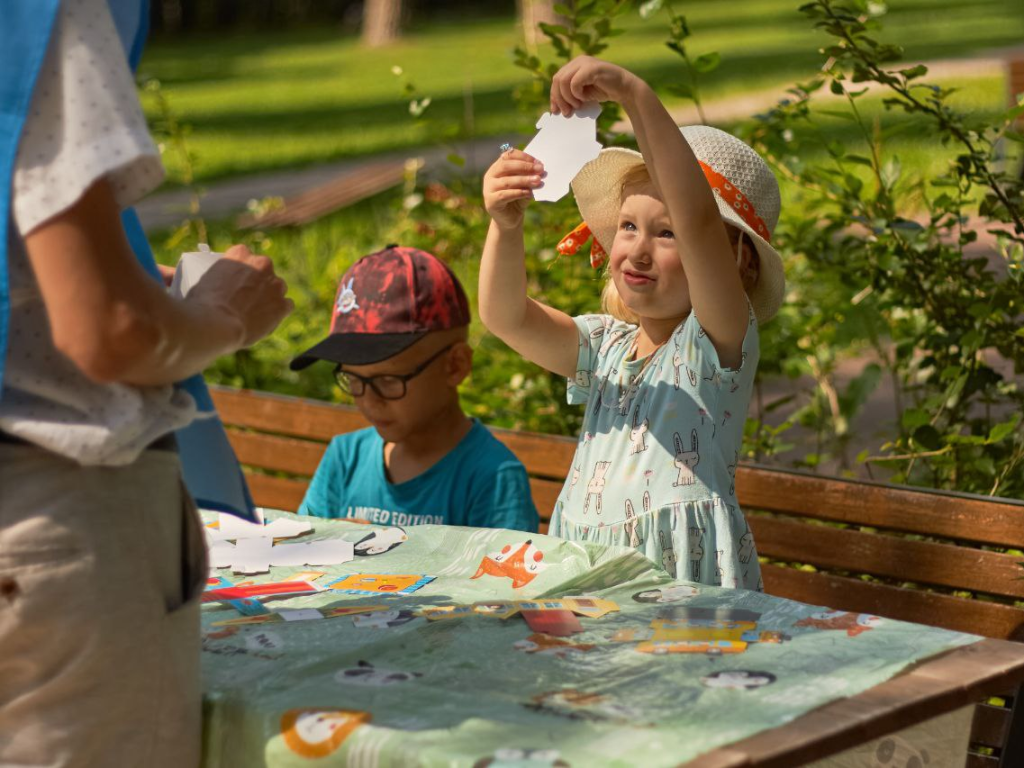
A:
<point x="399" y="338"/>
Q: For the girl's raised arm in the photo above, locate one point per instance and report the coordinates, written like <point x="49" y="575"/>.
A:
<point x="541" y="334"/>
<point x="716" y="289"/>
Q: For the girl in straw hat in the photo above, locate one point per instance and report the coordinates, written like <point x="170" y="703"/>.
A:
<point x="666" y="374"/>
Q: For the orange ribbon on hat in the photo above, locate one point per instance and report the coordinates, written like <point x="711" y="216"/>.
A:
<point x="740" y="203"/>
<point x="571" y="244"/>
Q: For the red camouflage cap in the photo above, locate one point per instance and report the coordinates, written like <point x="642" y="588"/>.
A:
<point x="386" y="302"/>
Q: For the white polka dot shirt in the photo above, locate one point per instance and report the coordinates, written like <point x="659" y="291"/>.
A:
<point x="84" y="123"/>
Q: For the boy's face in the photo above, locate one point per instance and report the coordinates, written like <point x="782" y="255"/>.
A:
<point x="427" y="394"/>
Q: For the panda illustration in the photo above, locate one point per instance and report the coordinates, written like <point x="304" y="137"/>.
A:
<point x="379" y="541"/>
<point x="367" y="674"/>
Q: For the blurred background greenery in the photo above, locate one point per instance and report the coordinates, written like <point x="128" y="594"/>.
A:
<point x="863" y="341"/>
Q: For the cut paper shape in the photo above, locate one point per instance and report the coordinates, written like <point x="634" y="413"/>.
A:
<point x="320" y="552"/>
<point x="564" y="145"/>
<point x="319" y="732"/>
<point x="519" y="562"/>
<point x="191" y="267"/>
<point x="559" y="623"/>
<point x="379" y="583"/>
<point x="271" y="589"/>
<point x="231" y="527"/>
<point x="257" y="555"/>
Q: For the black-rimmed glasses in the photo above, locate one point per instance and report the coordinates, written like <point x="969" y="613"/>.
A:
<point x="388" y="386"/>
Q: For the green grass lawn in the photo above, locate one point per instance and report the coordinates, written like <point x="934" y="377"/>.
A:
<point x="263" y="102"/>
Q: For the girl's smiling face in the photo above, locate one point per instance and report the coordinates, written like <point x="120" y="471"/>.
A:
<point x="644" y="261"/>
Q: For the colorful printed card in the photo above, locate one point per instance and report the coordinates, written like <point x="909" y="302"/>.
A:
<point x="379" y="583"/>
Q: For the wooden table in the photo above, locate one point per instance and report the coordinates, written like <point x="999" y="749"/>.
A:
<point x="935" y="687"/>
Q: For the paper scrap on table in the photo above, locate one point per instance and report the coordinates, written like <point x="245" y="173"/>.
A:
<point x="564" y="145"/>
<point x="191" y="267"/>
<point x="231" y="527"/>
<point x="258" y="555"/>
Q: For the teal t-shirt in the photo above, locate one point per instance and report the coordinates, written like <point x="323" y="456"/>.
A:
<point x="479" y="483"/>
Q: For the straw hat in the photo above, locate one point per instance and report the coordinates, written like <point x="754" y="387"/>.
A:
<point x="745" y="189"/>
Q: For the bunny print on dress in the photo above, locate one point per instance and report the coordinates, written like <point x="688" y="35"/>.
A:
<point x="638" y="434"/>
<point x="696" y="553"/>
<point x="630" y="526"/>
<point x="596" y="485"/>
<point x="572" y="483"/>
<point x="668" y="555"/>
<point x="685" y="460"/>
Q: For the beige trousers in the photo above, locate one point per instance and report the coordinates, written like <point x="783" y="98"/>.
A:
<point x="100" y="574"/>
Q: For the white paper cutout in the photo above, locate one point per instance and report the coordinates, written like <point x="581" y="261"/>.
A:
<point x="564" y="145"/>
<point x="191" y="267"/>
<point x="251" y="556"/>
<point x="235" y="528"/>
<point x="257" y="555"/>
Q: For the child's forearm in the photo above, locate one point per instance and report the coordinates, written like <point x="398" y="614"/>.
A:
<point x="542" y="334"/>
<point x="716" y="289"/>
<point x="670" y="161"/>
<point x="502" y="289"/>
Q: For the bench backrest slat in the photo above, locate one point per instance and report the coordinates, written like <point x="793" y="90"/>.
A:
<point x="890" y="556"/>
<point x="963" y="517"/>
<point x="931" y="608"/>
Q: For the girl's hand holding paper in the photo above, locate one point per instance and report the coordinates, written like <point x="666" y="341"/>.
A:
<point x="586" y="79"/>
<point x="509" y="185"/>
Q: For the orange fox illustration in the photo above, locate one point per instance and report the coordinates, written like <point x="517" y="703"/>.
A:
<point x="319" y="732"/>
<point x="519" y="562"/>
<point x="853" y="623"/>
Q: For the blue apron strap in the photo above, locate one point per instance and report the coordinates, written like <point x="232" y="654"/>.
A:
<point x="24" y="36"/>
<point x="208" y="463"/>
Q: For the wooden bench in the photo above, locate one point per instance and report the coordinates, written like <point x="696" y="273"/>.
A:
<point x="867" y="547"/>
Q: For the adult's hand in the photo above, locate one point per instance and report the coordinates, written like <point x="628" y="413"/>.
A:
<point x="117" y="324"/>
<point x="245" y="286"/>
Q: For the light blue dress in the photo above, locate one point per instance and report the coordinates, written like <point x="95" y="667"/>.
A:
<point x="656" y="459"/>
